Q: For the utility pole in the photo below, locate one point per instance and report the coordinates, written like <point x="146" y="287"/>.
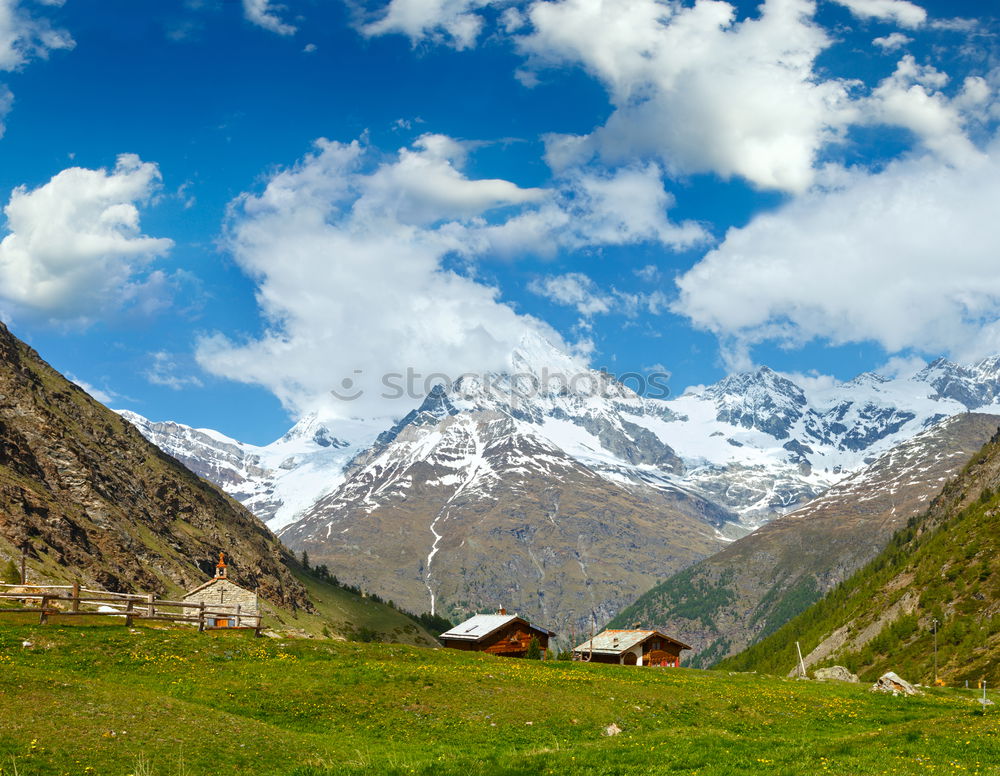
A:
<point x="934" y="627"/>
<point x="24" y="560"/>
<point x="802" y="665"/>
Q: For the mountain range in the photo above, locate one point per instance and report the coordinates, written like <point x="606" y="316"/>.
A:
<point x="565" y="499"/>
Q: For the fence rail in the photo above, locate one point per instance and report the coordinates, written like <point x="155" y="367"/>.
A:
<point x="132" y="606"/>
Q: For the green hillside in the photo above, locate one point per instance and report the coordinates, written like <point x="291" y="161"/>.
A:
<point x="944" y="565"/>
<point x="734" y="598"/>
<point x="341" y="612"/>
<point x="110" y="702"/>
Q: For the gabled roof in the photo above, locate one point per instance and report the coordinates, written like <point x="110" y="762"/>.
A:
<point x="614" y="642"/>
<point x="480" y="626"/>
<point x="209" y="584"/>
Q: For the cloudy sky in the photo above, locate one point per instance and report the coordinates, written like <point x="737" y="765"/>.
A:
<point x="216" y="210"/>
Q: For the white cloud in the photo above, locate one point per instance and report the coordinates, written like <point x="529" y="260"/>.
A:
<point x="912" y="98"/>
<point x="902" y="12"/>
<point x="649" y="273"/>
<point x="348" y="257"/>
<point x="588" y="207"/>
<point x="574" y="289"/>
<point x="453" y="22"/>
<point x="265" y="14"/>
<point x="696" y="88"/>
<point x="905" y="258"/>
<point x="902" y="366"/>
<point x="6" y="103"/>
<point x="892" y="41"/>
<point x="75" y="247"/>
<point x="164" y="371"/>
<point x="24" y="36"/>
<point x="104" y="397"/>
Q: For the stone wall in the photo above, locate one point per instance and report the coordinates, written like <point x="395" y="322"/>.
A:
<point x="221" y="595"/>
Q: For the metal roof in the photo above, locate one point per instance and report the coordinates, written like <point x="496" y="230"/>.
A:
<point x="482" y="625"/>
<point x="614" y="642"/>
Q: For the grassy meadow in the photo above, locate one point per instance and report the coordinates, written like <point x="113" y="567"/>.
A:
<point x="99" y="699"/>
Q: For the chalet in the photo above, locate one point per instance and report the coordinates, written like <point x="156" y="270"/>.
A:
<point x="228" y="602"/>
<point x="631" y="648"/>
<point x="499" y="634"/>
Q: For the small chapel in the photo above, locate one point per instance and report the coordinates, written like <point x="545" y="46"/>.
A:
<point x="230" y="605"/>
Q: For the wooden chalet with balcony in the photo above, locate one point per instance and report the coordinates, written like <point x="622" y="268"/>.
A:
<point x="498" y="634"/>
<point x="632" y="648"/>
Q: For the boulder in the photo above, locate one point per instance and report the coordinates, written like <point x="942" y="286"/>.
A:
<point x="892" y="683"/>
<point x="835" y="674"/>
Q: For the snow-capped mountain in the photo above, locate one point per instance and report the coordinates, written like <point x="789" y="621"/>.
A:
<point x="517" y="463"/>
<point x="276" y="482"/>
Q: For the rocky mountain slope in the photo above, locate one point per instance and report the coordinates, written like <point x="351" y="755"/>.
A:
<point x="749" y="589"/>
<point x="943" y="566"/>
<point x="88" y="498"/>
<point x="729" y="457"/>
<point x="471" y="510"/>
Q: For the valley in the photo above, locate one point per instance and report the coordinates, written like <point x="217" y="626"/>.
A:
<point x="568" y="506"/>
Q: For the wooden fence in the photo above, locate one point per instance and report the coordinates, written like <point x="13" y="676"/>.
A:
<point x="70" y="600"/>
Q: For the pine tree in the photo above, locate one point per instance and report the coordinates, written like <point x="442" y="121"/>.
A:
<point x="534" y="650"/>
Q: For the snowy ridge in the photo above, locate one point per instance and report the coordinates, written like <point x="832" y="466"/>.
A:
<point x="756" y="444"/>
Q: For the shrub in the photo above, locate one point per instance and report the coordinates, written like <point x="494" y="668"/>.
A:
<point x="11" y="574"/>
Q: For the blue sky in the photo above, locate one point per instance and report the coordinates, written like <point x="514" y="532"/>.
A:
<point x="695" y="187"/>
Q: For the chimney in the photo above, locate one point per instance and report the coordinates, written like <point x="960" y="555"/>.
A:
<point x="501" y="610"/>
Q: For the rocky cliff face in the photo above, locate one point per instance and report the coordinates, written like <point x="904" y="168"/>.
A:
<point x="752" y="587"/>
<point x="89" y="498"/>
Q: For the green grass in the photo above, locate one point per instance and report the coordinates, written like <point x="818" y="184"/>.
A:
<point x="342" y="612"/>
<point x="103" y="700"/>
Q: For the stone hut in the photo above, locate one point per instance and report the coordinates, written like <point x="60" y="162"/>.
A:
<point x="229" y="602"/>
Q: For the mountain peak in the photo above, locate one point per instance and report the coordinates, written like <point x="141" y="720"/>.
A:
<point x="310" y="428"/>
<point x="974" y="387"/>
<point x="536" y="353"/>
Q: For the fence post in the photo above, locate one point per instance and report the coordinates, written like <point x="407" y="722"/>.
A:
<point x="128" y="614"/>
<point x="201" y="617"/>
<point x="256" y="630"/>
<point x="44" y="616"/>
<point x="238" y="621"/>
<point x="75" y="605"/>
<point x="150" y="608"/>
